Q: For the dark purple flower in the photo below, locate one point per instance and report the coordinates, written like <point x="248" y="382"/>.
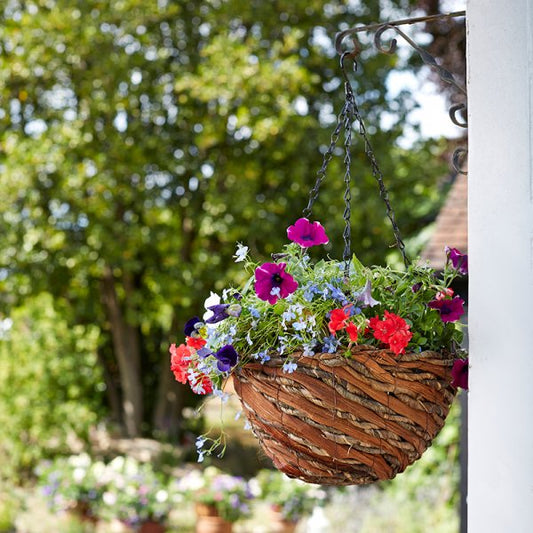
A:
<point x="450" y="310"/>
<point x="227" y="358"/>
<point x="189" y="328"/>
<point x="416" y="287"/>
<point x="459" y="260"/>
<point x="219" y="313"/>
<point x="460" y="373"/>
<point x="306" y="233"/>
<point x="273" y="283"/>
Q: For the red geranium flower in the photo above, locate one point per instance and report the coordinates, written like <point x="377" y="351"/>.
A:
<point x="338" y="319"/>
<point x="195" y="342"/>
<point x="392" y="330"/>
<point x="351" y="329"/>
<point x="180" y="357"/>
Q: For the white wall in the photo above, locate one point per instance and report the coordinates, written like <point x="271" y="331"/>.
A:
<point x="500" y="98"/>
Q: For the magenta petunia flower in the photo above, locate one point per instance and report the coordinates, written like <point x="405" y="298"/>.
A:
<point x="450" y="310"/>
<point x="306" y="233"/>
<point x="273" y="283"/>
<point x="459" y="260"/>
<point x="460" y="373"/>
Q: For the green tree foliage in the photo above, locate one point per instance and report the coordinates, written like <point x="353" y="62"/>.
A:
<point x="50" y="384"/>
<point x="140" y="139"/>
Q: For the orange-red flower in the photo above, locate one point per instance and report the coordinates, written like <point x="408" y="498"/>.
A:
<point x="195" y="342"/>
<point x="392" y="330"/>
<point x="180" y="357"/>
<point x="351" y="329"/>
<point x="338" y="319"/>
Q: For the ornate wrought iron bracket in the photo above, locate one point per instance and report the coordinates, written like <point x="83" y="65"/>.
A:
<point x="456" y="110"/>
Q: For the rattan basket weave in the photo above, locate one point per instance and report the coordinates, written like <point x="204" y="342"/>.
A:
<point x="347" y="421"/>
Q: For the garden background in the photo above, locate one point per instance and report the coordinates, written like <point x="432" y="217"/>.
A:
<point x="139" y="142"/>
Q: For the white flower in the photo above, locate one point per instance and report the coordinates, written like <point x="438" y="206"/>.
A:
<point x="213" y="299"/>
<point x="109" y="498"/>
<point x="82" y="460"/>
<point x="78" y="474"/>
<point x="241" y="253"/>
<point x="161" y="496"/>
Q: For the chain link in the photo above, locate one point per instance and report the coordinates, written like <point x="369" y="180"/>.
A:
<point x="345" y="120"/>
<point x="384" y="193"/>
<point x="348" y="122"/>
<point x="328" y="155"/>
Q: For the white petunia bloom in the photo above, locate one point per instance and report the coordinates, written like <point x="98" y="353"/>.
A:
<point x="213" y="299"/>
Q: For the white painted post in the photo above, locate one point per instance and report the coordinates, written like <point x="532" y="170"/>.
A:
<point x="500" y="100"/>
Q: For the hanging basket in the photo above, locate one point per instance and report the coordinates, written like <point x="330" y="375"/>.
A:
<point x="340" y="421"/>
<point x="364" y="413"/>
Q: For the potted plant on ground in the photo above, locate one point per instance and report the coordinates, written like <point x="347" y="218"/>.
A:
<point x="69" y="484"/>
<point x="135" y="495"/>
<point x="220" y="499"/>
<point x="290" y="499"/>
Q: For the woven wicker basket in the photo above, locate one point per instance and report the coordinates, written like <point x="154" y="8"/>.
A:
<point x="347" y="421"/>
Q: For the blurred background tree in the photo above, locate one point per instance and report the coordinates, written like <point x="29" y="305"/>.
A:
<point x="140" y="140"/>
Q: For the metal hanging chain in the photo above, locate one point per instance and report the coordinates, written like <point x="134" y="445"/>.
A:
<point x="328" y="155"/>
<point x="348" y="115"/>
<point x="350" y="107"/>
<point x="376" y="172"/>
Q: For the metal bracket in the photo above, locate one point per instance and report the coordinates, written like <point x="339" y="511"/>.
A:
<point x="445" y="75"/>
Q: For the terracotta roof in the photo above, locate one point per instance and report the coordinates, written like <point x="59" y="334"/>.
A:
<point x="451" y="225"/>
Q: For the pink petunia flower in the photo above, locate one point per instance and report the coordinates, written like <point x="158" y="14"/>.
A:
<point x="306" y="233"/>
<point x="450" y="310"/>
<point x="458" y="259"/>
<point x="460" y="373"/>
<point x="273" y="283"/>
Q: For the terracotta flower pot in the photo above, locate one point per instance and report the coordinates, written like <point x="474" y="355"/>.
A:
<point x="279" y="524"/>
<point x="152" y="527"/>
<point x="82" y="512"/>
<point x="208" y="520"/>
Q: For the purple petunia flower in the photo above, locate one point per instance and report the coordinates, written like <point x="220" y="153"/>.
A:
<point x="460" y="373"/>
<point x="450" y="310"/>
<point x="219" y="313"/>
<point x="416" y="287"/>
<point x="227" y="358"/>
<point x="273" y="283"/>
<point x="459" y="260"/>
<point x="306" y="233"/>
<point x="189" y="328"/>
